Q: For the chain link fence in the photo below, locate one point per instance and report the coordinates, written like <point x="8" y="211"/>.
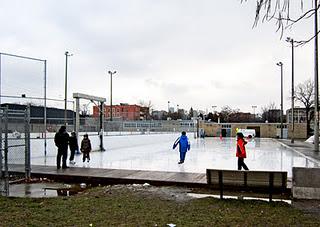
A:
<point x="15" y="146"/>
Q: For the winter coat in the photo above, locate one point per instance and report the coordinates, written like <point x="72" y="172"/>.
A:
<point x="183" y="142"/>
<point x="241" y="149"/>
<point x="61" y="139"/>
<point x="85" y="146"/>
<point x="73" y="143"/>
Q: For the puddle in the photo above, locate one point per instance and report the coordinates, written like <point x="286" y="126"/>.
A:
<point x="44" y="190"/>
<point x="199" y="196"/>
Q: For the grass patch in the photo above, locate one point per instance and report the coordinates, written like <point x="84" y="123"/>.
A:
<point x="125" y="206"/>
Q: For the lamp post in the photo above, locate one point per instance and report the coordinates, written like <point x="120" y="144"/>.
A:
<point x="213" y="111"/>
<point x="111" y="74"/>
<point x="281" y="105"/>
<point x="254" y="112"/>
<point x="67" y="54"/>
<point x="316" y="91"/>
<point x="291" y="41"/>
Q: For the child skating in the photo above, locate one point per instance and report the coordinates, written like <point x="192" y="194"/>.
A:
<point x="184" y="146"/>
<point x="85" y="148"/>
<point x="241" y="151"/>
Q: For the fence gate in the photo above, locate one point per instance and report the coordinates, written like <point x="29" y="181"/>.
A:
<point x="15" y="146"/>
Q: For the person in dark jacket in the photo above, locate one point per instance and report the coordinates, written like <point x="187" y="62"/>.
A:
<point x="241" y="151"/>
<point x="184" y="146"/>
<point x="73" y="145"/>
<point x="61" y="139"/>
<point x="85" y="148"/>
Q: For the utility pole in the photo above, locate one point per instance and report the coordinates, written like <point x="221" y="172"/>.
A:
<point x="254" y="112"/>
<point x="316" y="91"/>
<point x="291" y="41"/>
<point x="111" y="74"/>
<point x="281" y="105"/>
<point x="66" y="87"/>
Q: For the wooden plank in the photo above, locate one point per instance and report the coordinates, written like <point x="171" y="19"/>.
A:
<point x="120" y="175"/>
<point x="235" y="178"/>
<point x="262" y="179"/>
<point x="247" y="178"/>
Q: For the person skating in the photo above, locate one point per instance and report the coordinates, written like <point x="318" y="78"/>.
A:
<point x="241" y="151"/>
<point x="61" y="140"/>
<point x="184" y="146"/>
<point x="73" y="145"/>
<point x="85" y="148"/>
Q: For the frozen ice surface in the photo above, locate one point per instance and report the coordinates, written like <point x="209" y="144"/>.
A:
<point x="154" y="152"/>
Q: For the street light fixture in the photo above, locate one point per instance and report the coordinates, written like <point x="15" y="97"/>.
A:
<point x="254" y="112"/>
<point x="281" y="105"/>
<point x="291" y="41"/>
<point x="111" y="74"/>
<point x="67" y="54"/>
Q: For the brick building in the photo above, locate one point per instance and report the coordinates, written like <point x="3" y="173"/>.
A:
<point x="124" y="112"/>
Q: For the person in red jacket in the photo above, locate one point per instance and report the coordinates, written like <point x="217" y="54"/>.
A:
<point x="241" y="151"/>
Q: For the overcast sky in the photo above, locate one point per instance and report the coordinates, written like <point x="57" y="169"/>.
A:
<point x="198" y="53"/>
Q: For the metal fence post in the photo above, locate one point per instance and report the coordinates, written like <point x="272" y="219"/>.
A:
<point x="1" y="150"/>
<point x="6" y="170"/>
<point x="27" y="143"/>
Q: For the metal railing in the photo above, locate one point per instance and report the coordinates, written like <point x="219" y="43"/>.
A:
<point x="14" y="146"/>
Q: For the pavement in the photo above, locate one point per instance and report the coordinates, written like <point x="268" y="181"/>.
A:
<point x="303" y="148"/>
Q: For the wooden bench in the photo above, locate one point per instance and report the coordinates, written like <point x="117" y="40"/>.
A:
<point x="273" y="182"/>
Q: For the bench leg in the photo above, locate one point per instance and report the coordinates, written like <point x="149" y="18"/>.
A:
<point x="271" y="176"/>
<point x="221" y="184"/>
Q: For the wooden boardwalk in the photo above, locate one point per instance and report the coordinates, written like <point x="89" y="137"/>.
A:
<point x="115" y="176"/>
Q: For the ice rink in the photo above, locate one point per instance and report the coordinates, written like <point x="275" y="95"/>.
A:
<point x="154" y="152"/>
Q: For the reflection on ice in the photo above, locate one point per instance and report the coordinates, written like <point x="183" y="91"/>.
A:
<point x="154" y="152"/>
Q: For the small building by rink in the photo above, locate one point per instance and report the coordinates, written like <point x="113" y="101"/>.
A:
<point x="263" y="130"/>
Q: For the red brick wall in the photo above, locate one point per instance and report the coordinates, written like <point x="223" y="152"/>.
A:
<point x="125" y="112"/>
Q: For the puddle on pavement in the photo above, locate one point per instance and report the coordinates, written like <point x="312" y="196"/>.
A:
<point x="43" y="190"/>
<point x="199" y="196"/>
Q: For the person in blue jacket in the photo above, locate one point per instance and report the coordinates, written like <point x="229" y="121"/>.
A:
<point x="184" y="146"/>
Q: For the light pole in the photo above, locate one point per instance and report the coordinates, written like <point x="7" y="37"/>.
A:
<point x="254" y="112"/>
<point x="316" y="91"/>
<point x="213" y="111"/>
<point x="168" y="107"/>
<point x="281" y="105"/>
<point x="67" y="54"/>
<point x="111" y="74"/>
<point x="291" y="41"/>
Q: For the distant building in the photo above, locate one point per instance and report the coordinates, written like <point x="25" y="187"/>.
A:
<point x="299" y="115"/>
<point x="124" y="112"/>
<point x="241" y="117"/>
<point x="54" y="115"/>
<point x="272" y="116"/>
<point x="159" y="114"/>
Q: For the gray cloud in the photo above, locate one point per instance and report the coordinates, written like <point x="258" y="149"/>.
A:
<point x="197" y="54"/>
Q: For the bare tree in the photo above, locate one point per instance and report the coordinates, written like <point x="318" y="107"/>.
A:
<point x="304" y="93"/>
<point x="283" y="11"/>
<point x="226" y="112"/>
<point x="146" y="104"/>
<point x="266" y="116"/>
<point x="84" y="110"/>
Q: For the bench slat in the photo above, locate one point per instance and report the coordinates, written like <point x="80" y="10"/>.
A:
<point x="247" y="178"/>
